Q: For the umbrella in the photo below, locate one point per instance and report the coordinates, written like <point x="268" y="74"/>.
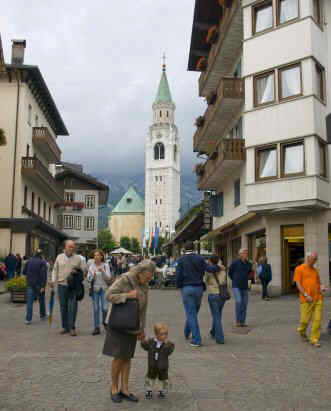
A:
<point x="51" y="306"/>
<point x="121" y="251"/>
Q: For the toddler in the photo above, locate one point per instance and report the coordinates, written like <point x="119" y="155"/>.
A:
<point x="159" y="349"/>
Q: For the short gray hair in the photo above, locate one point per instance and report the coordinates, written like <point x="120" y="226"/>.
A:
<point x="145" y="266"/>
<point x="243" y="250"/>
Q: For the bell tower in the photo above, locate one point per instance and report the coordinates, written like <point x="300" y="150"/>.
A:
<point x="162" y="164"/>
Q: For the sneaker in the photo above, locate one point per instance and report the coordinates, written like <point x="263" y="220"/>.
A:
<point x="162" y="394"/>
<point x="149" y="395"/>
<point x="27" y="322"/>
<point x="195" y="345"/>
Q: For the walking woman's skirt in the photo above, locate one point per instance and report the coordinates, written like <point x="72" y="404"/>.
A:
<point x="120" y="345"/>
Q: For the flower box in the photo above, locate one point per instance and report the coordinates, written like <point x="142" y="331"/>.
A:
<point x="17" y="287"/>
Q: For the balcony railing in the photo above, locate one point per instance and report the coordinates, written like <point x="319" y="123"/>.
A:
<point x="225" y="51"/>
<point x="221" y="163"/>
<point x="219" y="116"/>
<point x="42" y="138"/>
<point x="33" y="168"/>
<point x="71" y="205"/>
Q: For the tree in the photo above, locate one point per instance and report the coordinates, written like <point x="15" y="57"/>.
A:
<point x="125" y="242"/>
<point x="106" y="241"/>
<point x="135" y="246"/>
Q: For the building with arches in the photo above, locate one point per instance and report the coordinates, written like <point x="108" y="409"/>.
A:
<point x="162" y="164"/>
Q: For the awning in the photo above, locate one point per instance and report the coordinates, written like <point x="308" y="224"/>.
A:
<point x="231" y="225"/>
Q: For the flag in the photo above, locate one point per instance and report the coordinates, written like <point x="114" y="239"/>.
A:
<point x="156" y="237"/>
<point x="150" y="240"/>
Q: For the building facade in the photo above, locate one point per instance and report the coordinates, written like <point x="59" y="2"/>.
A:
<point x="78" y="214"/>
<point x="162" y="165"/>
<point x="30" y="123"/>
<point x="127" y="219"/>
<point x="265" y="131"/>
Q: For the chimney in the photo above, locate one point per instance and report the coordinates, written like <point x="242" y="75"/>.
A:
<point x="18" y="48"/>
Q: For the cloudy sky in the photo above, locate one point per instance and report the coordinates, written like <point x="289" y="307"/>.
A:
<point x="102" y="62"/>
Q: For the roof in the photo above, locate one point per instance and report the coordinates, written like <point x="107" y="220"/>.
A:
<point x="103" y="188"/>
<point x="130" y="203"/>
<point x="33" y="77"/>
<point x="163" y="92"/>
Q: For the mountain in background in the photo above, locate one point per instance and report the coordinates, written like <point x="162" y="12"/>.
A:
<point x="119" y="184"/>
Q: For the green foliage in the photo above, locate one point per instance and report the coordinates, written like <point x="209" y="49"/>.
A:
<point x="125" y="242"/>
<point x="135" y="246"/>
<point x="106" y="241"/>
<point x="17" y="284"/>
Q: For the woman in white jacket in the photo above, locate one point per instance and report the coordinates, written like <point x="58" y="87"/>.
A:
<point x="100" y="278"/>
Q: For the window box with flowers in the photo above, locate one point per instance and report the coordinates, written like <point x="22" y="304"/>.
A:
<point x="200" y="121"/>
<point x="17" y="288"/>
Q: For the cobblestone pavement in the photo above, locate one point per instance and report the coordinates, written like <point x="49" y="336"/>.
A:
<point x="268" y="368"/>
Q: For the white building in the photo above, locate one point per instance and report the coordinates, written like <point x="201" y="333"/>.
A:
<point x="265" y="73"/>
<point x="79" y="212"/>
<point x="162" y="164"/>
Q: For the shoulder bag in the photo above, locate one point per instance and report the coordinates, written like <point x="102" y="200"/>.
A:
<point x="223" y="288"/>
<point x="125" y="316"/>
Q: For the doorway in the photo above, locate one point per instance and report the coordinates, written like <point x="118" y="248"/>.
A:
<point x="293" y="254"/>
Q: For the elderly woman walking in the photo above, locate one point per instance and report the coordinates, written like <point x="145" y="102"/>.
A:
<point x="121" y="345"/>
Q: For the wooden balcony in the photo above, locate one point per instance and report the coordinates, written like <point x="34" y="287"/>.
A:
<point x="35" y="170"/>
<point x="219" y="117"/>
<point x="46" y="143"/>
<point x="229" y="154"/>
<point x="224" y="54"/>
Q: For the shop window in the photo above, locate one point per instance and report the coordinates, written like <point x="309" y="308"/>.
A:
<point x="290" y="82"/>
<point x="90" y="201"/>
<point x="287" y="10"/>
<point x="322" y="159"/>
<point x="266" y="163"/>
<point x="292" y="159"/>
<point x="264" y="89"/>
<point x="262" y="17"/>
<point x="320" y="82"/>
<point x="237" y="193"/>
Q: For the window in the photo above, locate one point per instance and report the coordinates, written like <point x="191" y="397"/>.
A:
<point x="32" y="202"/>
<point x="290" y="84"/>
<point x="89" y="223"/>
<point x="77" y="222"/>
<point x="160" y="224"/>
<point x="156" y="202"/>
<point x="36" y="121"/>
<point x="262" y="17"/>
<point x="175" y="152"/>
<point x="27" y="150"/>
<point x="29" y="114"/>
<point x="68" y="222"/>
<point x="237" y="193"/>
<point x="167" y="114"/>
<point x="156" y="178"/>
<point x="49" y="214"/>
<point x="45" y="210"/>
<point x="160" y="178"/>
<point x="293" y="159"/>
<point x="160" y="113"/>
<point x="69" y="196"/>
<point x="322" y="160"/>
<point x="320" y="82"/>
<point x="287" y="10"/>
<point x="90" y="201"/>
<point x="317" y="12"/>
<point x="25" y="200"/>
<point x="159" y="151"/>
<point x="266" y="163"/>
<point x="264" y="89"/>
<point x="39" y="205"/>
<point x="129" y="200"/>
<point x="217" y="205"/>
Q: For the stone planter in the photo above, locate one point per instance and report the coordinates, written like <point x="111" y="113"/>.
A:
<point x="18" y="296"/>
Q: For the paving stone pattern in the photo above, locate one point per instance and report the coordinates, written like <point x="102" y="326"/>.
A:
<point x="267" y="368"/>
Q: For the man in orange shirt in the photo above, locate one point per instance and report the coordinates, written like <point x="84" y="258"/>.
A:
<point x="308" y="283"/>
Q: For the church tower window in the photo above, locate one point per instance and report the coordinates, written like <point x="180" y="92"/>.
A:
<point x="159" y="151"/>
<point x="175" y="152"/>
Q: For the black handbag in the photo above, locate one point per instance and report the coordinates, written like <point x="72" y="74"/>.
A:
<point x="125" y="316"/>
<point x="223" y="289"/>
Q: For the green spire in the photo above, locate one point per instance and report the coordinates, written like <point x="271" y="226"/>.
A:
<point x="130" y="203"/>
<point x="163" y="93"/>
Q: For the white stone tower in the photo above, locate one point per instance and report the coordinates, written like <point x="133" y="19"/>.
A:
<point x="162" y="164"/>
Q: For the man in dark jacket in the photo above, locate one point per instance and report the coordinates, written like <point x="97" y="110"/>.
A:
<point x="11" y="263"/>
<point x="239" y="273"/>
<point x="190" y="271"/>
<point x="36" y="276"/>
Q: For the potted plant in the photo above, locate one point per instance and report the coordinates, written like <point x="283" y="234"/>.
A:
<point x="199" y="122"/>
<point x="17" y="287"/>
<point x="212" y="35"/>
<point x="202" y="64"/>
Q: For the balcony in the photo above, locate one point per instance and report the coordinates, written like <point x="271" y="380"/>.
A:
<point x="34" y="169"/>
<point x="225" y="52"/>
<point x="46" y="143"/>
<point x="219" y="116"/>
<point x="230" y="152"/>
<point x="70" y="206"/>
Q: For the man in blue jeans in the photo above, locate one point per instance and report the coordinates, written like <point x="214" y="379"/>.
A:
<point x="36" y="276"/>
<point x="239" y="272"/>
<point x="190" y="271"/>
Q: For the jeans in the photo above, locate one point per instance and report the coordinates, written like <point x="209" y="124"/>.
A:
<point x="32" y="294"/>
<point x="10" y="273"/>
<point x="192" y="297"/>
<point x="241" y="298"/>
<point x="216" y="305"/>
<point x="99" y="305"/>
<point x="68" y="307"/>
<point x="264" y="284"/>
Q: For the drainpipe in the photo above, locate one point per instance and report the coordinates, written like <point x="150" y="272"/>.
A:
<point x="15" y="155"/>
